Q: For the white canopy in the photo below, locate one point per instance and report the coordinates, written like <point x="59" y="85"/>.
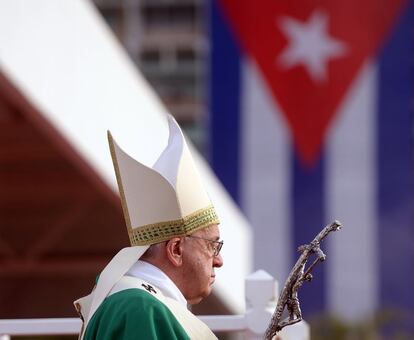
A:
<point x="63" y="58"/>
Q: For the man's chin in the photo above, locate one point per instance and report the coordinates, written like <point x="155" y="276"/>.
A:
<point x="198" y="299"/>
<point x="195" y="301"/>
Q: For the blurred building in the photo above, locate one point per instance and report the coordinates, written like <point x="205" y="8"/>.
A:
<point x="167" y="41"/>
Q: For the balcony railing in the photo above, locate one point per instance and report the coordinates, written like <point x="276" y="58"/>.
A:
<point x="260" y="302"/>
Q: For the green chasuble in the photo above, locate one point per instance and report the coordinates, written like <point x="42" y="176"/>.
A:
<point x="133" y="314"/>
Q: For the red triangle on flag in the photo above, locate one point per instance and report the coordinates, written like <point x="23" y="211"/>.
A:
<point x="309" y="53"/>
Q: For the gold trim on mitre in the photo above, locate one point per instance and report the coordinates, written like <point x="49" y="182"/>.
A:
<point x="162" y="231"/>
<point x="119" y="181"/>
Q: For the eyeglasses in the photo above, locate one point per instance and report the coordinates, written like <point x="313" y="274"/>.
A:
<point x="216" y="244"/>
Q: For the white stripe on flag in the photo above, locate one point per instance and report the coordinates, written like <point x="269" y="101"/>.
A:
<point x="351" y="198"/>
<point x="265" y="174"/>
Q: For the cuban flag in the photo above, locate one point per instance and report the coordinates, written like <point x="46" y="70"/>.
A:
<point x="311" y="120"/>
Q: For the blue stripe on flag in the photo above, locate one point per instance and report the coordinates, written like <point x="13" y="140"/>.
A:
<point x="308" y="219"/>
<point x="224" y="102"/>
<point x="395" y="157"/>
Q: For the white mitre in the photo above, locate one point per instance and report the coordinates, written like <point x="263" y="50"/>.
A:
<point x="166" y="200"/>
<point x="159" y="202"/>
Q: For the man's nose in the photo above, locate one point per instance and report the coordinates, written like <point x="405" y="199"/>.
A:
<point x="217" y="261"/>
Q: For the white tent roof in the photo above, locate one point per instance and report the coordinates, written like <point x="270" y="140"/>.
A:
<point x="66" y="62"/>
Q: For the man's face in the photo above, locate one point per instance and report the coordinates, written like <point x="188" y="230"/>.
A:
<point x="199" y="264"/>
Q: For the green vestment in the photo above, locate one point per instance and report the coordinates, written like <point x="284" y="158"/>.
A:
<point x="133" y="314"/>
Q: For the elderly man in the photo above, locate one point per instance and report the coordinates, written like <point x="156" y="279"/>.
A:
<point x="175" y="247"/>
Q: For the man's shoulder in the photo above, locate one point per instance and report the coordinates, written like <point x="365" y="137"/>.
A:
<point x="131" y="293"/>
<point x="134" y="312"/>
<point x="132" y="298"/>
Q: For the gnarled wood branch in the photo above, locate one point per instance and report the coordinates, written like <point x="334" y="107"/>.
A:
<point x="288" y="298"/>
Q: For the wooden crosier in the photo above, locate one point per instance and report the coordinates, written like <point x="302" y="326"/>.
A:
<point x="288" y="298"/>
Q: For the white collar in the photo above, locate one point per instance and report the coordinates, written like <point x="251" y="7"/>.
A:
<point x="152" y="274"/>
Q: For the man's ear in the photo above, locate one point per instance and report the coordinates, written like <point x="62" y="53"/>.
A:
<point x="174" y="249"/>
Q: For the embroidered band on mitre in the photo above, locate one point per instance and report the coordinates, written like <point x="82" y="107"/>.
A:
<point x="159" y="202"/>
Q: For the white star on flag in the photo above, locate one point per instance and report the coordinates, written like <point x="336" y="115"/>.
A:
<point x="310" y="45"/>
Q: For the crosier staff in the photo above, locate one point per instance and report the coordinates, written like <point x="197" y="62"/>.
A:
<point x="288" y="298"/>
